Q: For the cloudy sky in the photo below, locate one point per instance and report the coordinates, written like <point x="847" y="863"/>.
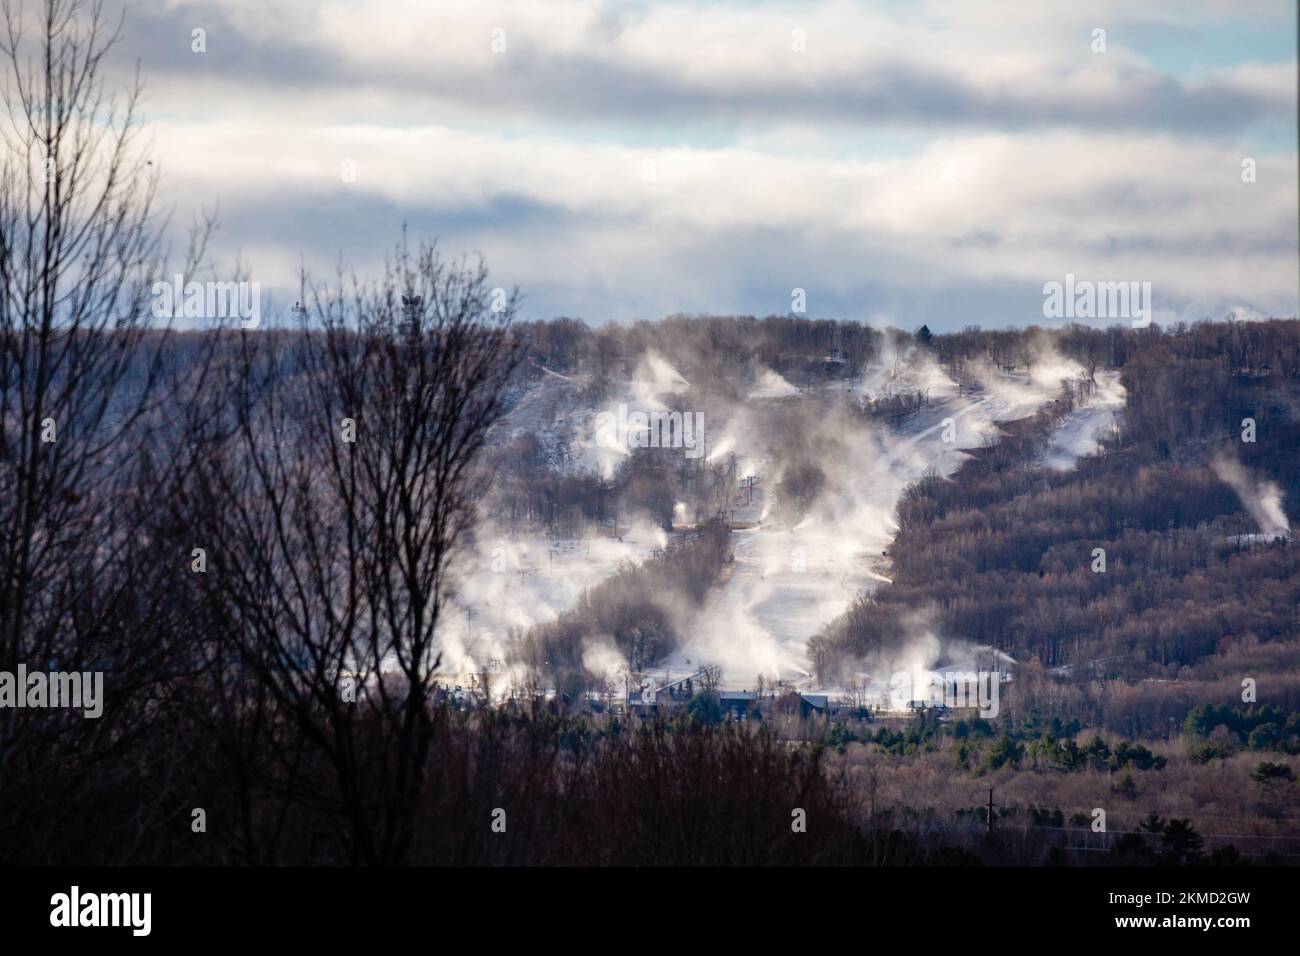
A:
<point x="901" y="162"/>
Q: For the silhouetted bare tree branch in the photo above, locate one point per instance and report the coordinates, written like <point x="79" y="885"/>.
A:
<point x="334" y="510"/>
<point x="84" y="384"/>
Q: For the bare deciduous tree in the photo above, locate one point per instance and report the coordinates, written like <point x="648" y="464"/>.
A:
<point x="83" y="385"/>
<point x="333" y="512"/>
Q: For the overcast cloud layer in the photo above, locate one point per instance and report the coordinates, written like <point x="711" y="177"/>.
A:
<point x="904" y="163"/>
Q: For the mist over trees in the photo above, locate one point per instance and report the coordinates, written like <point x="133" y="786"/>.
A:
<point x="1004" y="552"/>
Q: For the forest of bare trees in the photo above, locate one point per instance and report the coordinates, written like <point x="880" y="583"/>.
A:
<point x="1004" y="553"/>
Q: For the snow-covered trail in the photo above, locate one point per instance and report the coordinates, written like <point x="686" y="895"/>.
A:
<point x="1080" y="434"/>
<point x="511" y="582"/>
<point x="514" y="584"/>
<point x="788" y="583"/>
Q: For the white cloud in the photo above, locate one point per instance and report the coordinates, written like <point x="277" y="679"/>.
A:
<point x="621" y="161"/>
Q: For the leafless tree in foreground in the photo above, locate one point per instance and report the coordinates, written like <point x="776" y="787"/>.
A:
<point x="330" y="511"/>
<point x="83" y="385"/>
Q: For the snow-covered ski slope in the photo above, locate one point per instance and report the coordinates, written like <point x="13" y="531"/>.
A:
<point x="787" y="582"/>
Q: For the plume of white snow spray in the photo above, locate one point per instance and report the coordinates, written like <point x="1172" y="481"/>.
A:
<point x="1261" y="497"/>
